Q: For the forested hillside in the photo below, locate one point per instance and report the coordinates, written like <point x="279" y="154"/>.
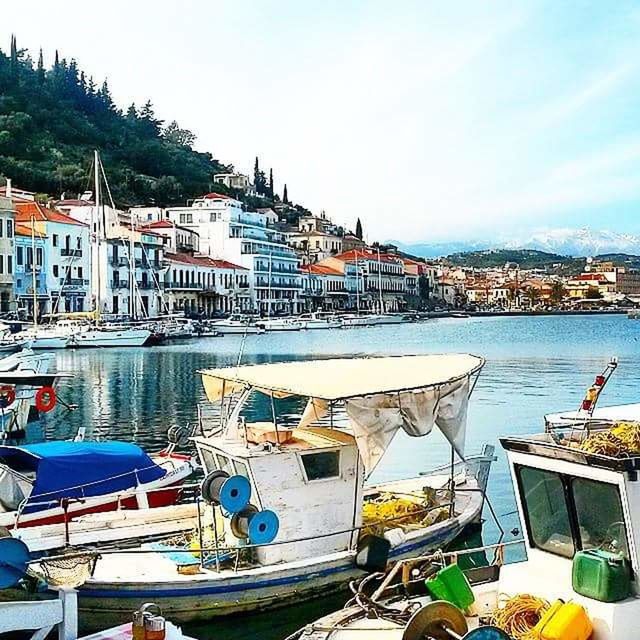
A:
<point x="52" y="119"/>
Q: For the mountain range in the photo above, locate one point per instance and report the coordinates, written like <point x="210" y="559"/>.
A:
<point x="564" y="241"/>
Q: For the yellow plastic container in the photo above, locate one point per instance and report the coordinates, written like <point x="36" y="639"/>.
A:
<point x="568" y="622"/>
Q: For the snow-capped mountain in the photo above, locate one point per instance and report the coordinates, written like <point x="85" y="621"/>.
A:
<point x="567" y="242"/>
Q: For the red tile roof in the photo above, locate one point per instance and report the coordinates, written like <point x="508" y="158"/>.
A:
<point x="202" y="261"/>
<point x="158" y="224"/>
<point x="321" y="269"/>
<point x="216" y="196"/>
<point x="364" y="254"/>
<point x="25" y="210"/>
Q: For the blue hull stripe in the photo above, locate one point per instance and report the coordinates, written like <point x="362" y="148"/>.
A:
<point x="195" y="590"/>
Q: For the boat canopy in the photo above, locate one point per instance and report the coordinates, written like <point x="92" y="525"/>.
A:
<point x="381" y="394"/>
<point x="605" y="415"/>
<point x="79" y="469"/>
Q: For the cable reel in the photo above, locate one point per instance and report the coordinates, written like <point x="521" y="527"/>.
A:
<point x="259" y="527"/>
<point x="232" y="493"/>
<point x="441" y="620"/>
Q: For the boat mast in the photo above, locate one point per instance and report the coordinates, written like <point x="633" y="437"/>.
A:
<point x="357" y="285"/>
<point x="269" y="290"/>
<point x="33" y="270"/>
<point x="132" y="272"/>
<point x="380" y="281"/>
<point x="96" y="162"/>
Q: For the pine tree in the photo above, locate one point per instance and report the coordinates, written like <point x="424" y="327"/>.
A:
<point x="13" y="59"/>
<point x="285" y="195"/>
<point x="132" y="114"/>
<point x="359" y="229"/>
<point x="56" y="61"/>
<point x="40" y="68"/>
<point x="256" y="174"/>
<point x="270" y="189"/>
<point x="105" y="95"/>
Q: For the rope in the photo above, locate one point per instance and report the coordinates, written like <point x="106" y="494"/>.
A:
<point x="517" y="616"/>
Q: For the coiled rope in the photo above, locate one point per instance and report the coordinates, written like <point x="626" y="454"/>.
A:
<point x="518" y="615"/>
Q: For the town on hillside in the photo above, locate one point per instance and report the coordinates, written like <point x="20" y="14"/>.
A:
<point x="216" y="256"/>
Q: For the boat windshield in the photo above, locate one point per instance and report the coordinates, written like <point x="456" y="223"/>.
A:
<point x="565" y="514"/>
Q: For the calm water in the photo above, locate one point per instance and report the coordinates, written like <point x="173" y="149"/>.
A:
<point x="534" y="365"/>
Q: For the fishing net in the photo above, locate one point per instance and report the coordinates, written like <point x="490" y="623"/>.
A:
<point x="72" y="571"/>
<point x="621" y="441"/>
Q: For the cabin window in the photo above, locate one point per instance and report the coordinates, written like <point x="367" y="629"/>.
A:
<point x="224" y="464"/>
<point x="209" y="460"/>
<point x="241" y="468"/>
<point x="322" y="465"/>
<point x="599" y="515"/>
<point x="566" y="513"/>
<point x="545" y="506"/>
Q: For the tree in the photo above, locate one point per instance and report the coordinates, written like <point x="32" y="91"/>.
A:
<point x="285" y="195"/>
<point x="532" y="294"/>
<point x="40" y="68"/>
<point x="558" y="292"/>
<point x="423" y="287"/>
<point x="593" y="293"/>
<point x="270" y="187"/>
<point x="181" y="137"/>
<point x="359" y="229"/>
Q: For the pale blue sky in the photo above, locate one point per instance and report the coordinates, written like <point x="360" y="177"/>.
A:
<point x="429" y="120"/>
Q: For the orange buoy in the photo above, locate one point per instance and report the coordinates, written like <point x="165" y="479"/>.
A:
<point x="45" y="399"/>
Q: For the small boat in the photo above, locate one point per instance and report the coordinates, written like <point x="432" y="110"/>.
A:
<point x="46" y="337"/>
<point x="376" y="319"/>
<point x="351" y="320"/>
<point x="53" y="482"/>
<point x="233" y="325"/>
<point x="11" y="343"/>
<point x="279" y="324"/>
<point x="178" y="328"/>
<point x="299" y="511"/>
<point x="113" y="336"/>
<point x="319" y="320"/>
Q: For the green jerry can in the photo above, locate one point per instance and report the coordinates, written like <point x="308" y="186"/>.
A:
<point x="451" y="584"/>
<point x="601" y="575"/>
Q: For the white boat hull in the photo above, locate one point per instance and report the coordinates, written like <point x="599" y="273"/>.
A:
<point x="322" y="324"/>
<point x="232" y="329"/>
<point x="112" y="338"/>
<point x="52" y="342"/>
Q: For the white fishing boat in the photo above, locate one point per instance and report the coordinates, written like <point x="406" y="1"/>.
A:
<point x="279" y="324"/>
<point x="376" y="319"/>
<point x="294" y="508"/>
<point x="46" y="337"/>
<point x="319" y="320"/>
<point x="577" y="497"/>
<point x="351" y="320"/>
<point x="233" y="325"/>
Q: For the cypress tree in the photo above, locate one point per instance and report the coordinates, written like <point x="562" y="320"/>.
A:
<point x="359" y="229"/>
<point x="271" y="183"/>
<point x="256" y="174"/>
<point x="285" y="195"/>
<point x="40" y="68"/>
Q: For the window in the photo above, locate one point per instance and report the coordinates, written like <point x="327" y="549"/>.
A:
<point x="78" y="242"/>
<point x="241" y="468"/>
<point x="9" y="264"/>
<point x="318" y="466"/>
<point x="39" y="256"/>
<point x="79" y="272"/>
<point x="9" y="229"/>
<point x="546" y="512"/>
<point x="565" y="513"/>
<point x="55" y="270"/>
<point x="599" y="515"/>
<point x="1" y="264"/>
<point x="209" y="460"/>
<point x="54" y="239"/>
<point x="1" y="228"/>
<point x="19" y="255"/>
<point x="225" y="464"/>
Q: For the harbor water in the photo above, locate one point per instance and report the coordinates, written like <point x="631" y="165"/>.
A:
<point x="535" y="365"/>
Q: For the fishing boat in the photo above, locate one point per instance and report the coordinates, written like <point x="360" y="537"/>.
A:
<point x="10" y="343"/>
<point x="351" y="320"/>
<point x="54" y="482"/>
<point x="576" y="486"/>
<point x="46" y="337"/>
<point x="319" y="320"/>
<point x="294" y="509"/>
<point x="103" y="336"/>
<point x="385" y="318"/>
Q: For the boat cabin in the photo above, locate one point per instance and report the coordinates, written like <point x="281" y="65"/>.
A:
<point x="312" y="476"/>
<point x="571" y="500"/>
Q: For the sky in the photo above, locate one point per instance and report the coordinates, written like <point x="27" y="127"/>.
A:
<point x="429" y="120"/>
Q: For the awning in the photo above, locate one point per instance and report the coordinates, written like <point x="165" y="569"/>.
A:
<point x="381" y="394"/>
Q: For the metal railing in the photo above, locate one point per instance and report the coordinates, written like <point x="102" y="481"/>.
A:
<point x="67" y="252"/>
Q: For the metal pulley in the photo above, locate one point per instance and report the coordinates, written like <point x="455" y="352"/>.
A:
<point x="441" y="620"/>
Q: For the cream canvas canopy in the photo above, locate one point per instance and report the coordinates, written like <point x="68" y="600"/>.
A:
<point x="381" y="394"/>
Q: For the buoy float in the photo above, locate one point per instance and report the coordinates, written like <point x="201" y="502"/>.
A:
<point x="45" y="399"/>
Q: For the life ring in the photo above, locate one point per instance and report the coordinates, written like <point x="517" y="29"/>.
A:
<point x="7" y="396"/>
<point x="45" y="399"/>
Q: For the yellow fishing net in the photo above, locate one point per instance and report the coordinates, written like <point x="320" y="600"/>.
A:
<point x="621" y="441"/>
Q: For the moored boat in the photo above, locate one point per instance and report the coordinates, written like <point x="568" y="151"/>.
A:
<point x="279" y="324"/>
<point x="233" y="325"/>
<point x="305" y="511"/>
<point x="319" y="320"/>
<point x="111" y="337"/>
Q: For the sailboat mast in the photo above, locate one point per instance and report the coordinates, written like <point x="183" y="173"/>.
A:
<point x="357" y="285"/>
<point x="380" y="281"/>
<point x="269" y="289"/>
<point x="132" y="272"/>
<point x="96" y="162"/>
<point x="33" y="270"/>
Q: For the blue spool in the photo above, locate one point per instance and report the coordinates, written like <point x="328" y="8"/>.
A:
<point x="14" y="557"/>
<point x="263" y="527"/>
<point x="235" y="494"/>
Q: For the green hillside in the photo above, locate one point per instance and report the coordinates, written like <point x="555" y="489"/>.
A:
<point x="51" y="120"/>
<point x="525" y="258"/>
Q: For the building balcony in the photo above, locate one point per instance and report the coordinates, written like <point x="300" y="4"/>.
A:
<point x="278" y="285"/>
<point x="119" y="284"/>
<point x="30" y="269"/>
<point x="69" y="283"/>
<point x="243" y="285"/>
<point x="67" y="252"/>
<point x="265" y="269"/>
<point x="145" y="284"/>
<point x="187" y="286"/>
<point x="119" y="261"/>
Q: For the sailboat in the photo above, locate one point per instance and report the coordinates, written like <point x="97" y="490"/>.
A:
<point x="100" y="335"/>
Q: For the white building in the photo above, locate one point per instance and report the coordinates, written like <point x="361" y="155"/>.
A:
<point x="7" y="228"/>
<point x="68" y="259"/>
<point x="241" y="237"/>
<point x="234" y="181"/>
<point x="176" y="239"/>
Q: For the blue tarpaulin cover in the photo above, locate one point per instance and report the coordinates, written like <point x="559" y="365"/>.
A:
<point x="77" y="469"/>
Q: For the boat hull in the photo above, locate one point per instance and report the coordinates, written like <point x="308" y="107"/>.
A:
<point x="124" y="338"/>
<point x="52" y="342"/>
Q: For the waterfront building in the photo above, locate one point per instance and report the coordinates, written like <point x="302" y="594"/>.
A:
<point x="68" y="262"/>
<point x="199" y="285"/>
<point x="351" y="242"/>
<point x="325" y="288"/>
<point x="7" y="225"/>
<point x="628" y="282"/>
<point x="243" y="238"/>
<point x="176" y="238"/>
<point x="30" y="267"/>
